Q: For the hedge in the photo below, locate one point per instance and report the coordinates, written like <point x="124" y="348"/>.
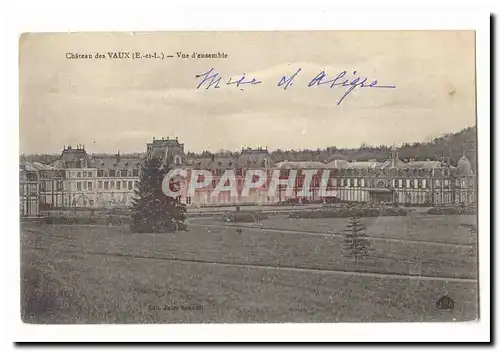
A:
<point x="86" y="220"/>
<point x="347" y="213"/>
<point x="241" y="216"/>
<point x="452" y="211"/>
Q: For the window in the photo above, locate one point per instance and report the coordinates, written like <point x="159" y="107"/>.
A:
<point x="43" y="186"/>
<point x="85" y="174"/>
<point x="106" y="184"/>
<point x="124" y="184"/>
<point x="355" y="182"/>
<point x="79" y="186"/>
<point x="438" y="183"/>
<point x="84" y="185"/>
<point x="333" y="182"/>
<point x="400" y="183"/>
<point x="90" y="174"/>
<point x="408" y="183"/>
<point x="130" y="184"/>
<point x="112" y="173"/>
<point x="106" y="173"/>
<point x="188" y="200"/>
<point x="118" y="185"/>
<point x="424" y="183"/>
<point x="362" y="182"/>
<point x="89" y="186"/>
<point x="78" y="174"/>
<point x="112" y="185"/>
<point x="100" y="173"/>
<point x="99" y="184"/>
<point x="124" y="173"/>
<point x="60" y="185"/>
<point x="446" y="183"/>
<point x="317" y="181"/>
<point x="135" y="172"/>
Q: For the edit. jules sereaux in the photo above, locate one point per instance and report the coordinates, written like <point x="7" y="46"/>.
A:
<point x="212" y="79"/>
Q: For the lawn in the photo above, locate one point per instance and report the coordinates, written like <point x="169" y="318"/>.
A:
<point x="98" y="274"/>
<point x="415" y="226"/>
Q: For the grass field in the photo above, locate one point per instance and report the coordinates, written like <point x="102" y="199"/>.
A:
<point x="98" y="274"/>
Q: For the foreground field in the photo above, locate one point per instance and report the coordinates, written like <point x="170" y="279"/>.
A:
<point x="96" y="274"/>
<point x="415" y="226"/>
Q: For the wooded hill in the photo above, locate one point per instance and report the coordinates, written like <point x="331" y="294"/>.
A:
<point x="452" y="146"/>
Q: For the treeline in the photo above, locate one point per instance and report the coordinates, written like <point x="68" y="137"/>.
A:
<point x="452" y="146"/>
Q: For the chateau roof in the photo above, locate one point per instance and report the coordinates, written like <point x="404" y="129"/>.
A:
<point x="35" y="166"/>
<point x="363" y="165"/>
<point x="337" y="164"/>
<point x="112" y="162"/>
<point x="300" y="165"/>
<point x="428" y="164"/>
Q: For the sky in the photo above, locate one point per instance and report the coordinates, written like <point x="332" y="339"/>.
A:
<point x="110" y="105"/>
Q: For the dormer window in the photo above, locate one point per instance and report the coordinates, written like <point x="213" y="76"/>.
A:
<point x="177" y="160"/>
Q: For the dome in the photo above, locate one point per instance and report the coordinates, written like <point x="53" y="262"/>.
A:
<point x="464" y="161"/>
<point x="464" y="167"/>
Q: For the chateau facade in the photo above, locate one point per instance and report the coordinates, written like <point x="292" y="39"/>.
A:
<point x="81" y="180"/>
<point x="392" y="181"/>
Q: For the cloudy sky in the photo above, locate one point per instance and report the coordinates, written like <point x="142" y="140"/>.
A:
<point x="111" y="105"/>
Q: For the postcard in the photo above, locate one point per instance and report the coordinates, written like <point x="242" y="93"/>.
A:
<point x="248" y="177"/>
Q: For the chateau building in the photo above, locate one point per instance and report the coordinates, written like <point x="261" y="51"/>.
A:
<point x="97" y="181"/>
<point x="40" y="187"/>
<point x="392" y="181"/>
<point x="78" y="179"/>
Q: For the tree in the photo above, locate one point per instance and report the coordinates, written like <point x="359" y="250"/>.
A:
<point x="152" y="210"/>
<point x="355" y="244"/>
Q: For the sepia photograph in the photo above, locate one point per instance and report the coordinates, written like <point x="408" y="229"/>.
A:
<point x="248" y="177"/>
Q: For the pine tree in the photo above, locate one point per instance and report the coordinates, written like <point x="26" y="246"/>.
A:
<point x="152" y="210"/>
<point x="355" y="244"/>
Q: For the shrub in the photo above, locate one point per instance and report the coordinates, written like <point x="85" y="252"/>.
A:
<point x="355" y="244"/>
<point x="244" y="217"/>
<point x="328" y="212"/>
